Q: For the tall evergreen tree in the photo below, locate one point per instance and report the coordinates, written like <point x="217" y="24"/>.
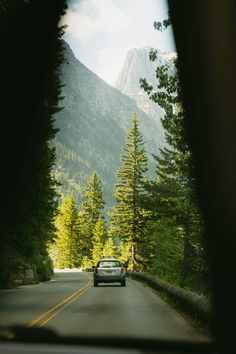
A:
<point x="99" y="239"/>
<point x="90" y="212"/>
<point x="67" y="244"/>
<point x="128" y="220"/>
<point x="173" y="198"/>
<point x="109" y="248"/>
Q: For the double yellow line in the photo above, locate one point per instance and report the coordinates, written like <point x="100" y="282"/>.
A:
<point x="45" y="317"/>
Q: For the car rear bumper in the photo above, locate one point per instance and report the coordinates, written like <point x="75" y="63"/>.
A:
<point x="109" y="279"/>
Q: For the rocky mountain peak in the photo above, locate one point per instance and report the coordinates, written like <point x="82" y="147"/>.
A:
<point x="138" y="65"/>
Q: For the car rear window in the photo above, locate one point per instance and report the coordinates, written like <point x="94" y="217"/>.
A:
<point x="109" y="264"/>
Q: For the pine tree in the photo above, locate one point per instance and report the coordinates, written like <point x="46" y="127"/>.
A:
<point x="124" y="253"/>
<point x="99" y="240"/>
<point x="109" y="248"/>
<point x="173" y="198"/>
<point x="127" y="215"/>
<point x="90" y="213"/>
<point x="67" y="244"/>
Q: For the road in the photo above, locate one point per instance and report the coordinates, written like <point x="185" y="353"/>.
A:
<point x="70" y="305"/>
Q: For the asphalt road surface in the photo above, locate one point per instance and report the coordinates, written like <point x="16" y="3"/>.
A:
<point x="70" y="305"/>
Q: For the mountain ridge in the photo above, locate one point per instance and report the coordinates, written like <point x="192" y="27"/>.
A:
<point x="92" y="129"/>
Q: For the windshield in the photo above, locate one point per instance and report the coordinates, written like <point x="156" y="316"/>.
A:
<point x="107" y="238"/>
<point x="108" y="264"/>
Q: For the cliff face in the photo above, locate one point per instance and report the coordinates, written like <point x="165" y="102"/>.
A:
<point x="137" y="65"/>
<point x="93" y="126"/>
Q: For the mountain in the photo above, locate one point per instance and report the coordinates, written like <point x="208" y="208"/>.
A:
<point x="137" y="65"/>
<point x="92" y="129"/>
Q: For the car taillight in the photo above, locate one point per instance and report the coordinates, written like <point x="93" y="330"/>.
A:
<point x="122" y="270"/>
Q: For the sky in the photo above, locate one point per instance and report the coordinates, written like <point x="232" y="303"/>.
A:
<point x="101" y="32"/>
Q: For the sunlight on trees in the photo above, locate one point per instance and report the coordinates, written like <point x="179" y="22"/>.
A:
<point x="127" y="216"/>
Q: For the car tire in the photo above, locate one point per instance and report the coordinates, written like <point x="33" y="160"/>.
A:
<point x="123" y="283"/>
<point x="95" y="283"/>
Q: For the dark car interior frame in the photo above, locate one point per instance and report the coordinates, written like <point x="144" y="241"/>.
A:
<point x="205" y="34"/>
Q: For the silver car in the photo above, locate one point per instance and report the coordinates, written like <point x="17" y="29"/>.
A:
<point x="109" y="270"/>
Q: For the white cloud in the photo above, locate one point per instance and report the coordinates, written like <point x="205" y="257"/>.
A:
<point x="91" y="16"/>
<point x="110" y="62"/>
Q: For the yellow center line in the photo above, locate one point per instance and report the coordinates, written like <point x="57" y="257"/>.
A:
<point x="46" y="316"/>
<point x="62" y="308"/>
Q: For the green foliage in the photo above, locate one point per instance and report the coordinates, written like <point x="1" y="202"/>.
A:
<point x="162" y="26"/>
<point x="81" y="235"/>
<point x="127" y="215"/>
<point x="67" y="244"/>
<point x="99" y="240"/>
<point x="90" y="213"/>
<point x="125" y="254"/>
<point x="176" y="222"/>
<point x="94" y="202"/>
<point x="70" y="171"/>
<point x="109" y="248"/>
<point x="164" y="249"/>
<point x="44" y="268"/>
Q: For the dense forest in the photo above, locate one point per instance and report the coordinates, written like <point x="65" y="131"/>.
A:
<point x="33" y="53"/>
<point x="155" y="224"/>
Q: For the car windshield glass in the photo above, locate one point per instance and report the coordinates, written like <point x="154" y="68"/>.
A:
<point x="103" y="233"/>
<point x="108" y="264"/>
